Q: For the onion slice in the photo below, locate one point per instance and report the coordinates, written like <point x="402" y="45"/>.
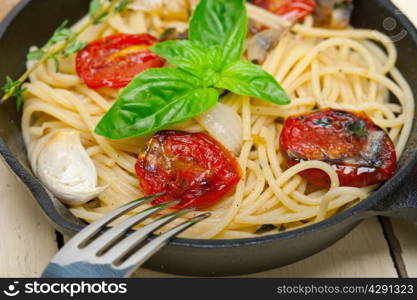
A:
<point x="262" y="42"/>
<point x="225" y="125"/>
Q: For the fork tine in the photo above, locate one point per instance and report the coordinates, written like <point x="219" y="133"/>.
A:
<point x="104" y="241"/>
<point x="95" y="227"/>
<point x="140" y="256"/>
<point x="123" y="247"/>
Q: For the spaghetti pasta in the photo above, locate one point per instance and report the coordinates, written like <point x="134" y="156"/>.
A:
<point x="319" y="68"/>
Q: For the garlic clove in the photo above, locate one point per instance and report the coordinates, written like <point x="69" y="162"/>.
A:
<point x="65" y="168"/>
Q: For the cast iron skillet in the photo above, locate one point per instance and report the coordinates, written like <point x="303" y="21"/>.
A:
<point x="32" y="22"/>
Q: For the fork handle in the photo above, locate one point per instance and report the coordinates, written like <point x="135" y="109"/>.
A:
<point x="82" y="270"/>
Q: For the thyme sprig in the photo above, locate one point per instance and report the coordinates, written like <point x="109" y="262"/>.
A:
<point x="69" y="44"/>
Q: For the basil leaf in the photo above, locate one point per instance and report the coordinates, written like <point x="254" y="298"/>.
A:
<point x="221" y="23"/>
<point x="155" y="100"/>
<point x="245" y="78"/>
<point x="192" y="58"/>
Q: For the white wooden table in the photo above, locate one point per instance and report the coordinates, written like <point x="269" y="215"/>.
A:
<point x="379" y="247"/>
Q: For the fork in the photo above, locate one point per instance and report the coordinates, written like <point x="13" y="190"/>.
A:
<point x="97" y="251"/>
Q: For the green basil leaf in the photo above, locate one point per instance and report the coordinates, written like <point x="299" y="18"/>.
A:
<point x="190" y="57"/>
<point x="215" y="58"/>
<point x="184" y="54"/>
<point x="19" y="98"/>
<point x="221" y="23"/>
<point x="245" y="78"/>
<point x="155" y="100"/>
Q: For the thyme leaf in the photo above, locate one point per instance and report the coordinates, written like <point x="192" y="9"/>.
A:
<point x="36" y="54"/>
<point x="74" y="47"/>
<point x="69" y="45"/>
<point x="10" y="84"/>
<point x="265" y="228"/>
<point x="100" y="18"/>
<point x="15" y="89"/>
<point x="95" y="6"/>
<point x="56" y="62"/>
<point x="121" y="7"/>
<point x="358" y="128"/>
<point x="19" y="97"/>
<point x="62" y="33"/>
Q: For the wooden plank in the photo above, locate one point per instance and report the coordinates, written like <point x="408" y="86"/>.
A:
<point x="362" y="253"/>
<point x="28" y="240"/>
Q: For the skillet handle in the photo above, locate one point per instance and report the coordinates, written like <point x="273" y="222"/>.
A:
<point x="401" y="202"/>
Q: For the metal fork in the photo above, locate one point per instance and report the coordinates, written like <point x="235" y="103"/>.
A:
<point x="97" y="252"/>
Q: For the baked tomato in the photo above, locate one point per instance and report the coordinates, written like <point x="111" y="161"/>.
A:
<point x="115" y="60"/>
<point x="190" y="167"/>
<point x="361" y="153"/>
<point x="292" y="10"/>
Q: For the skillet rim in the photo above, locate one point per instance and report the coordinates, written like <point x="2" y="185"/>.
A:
<point x="42" y="196"/>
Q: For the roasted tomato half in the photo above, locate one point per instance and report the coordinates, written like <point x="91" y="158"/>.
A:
<point x="190" y="167"/>
<point x="115" y="60"/>
<point x="292" y="10"/>
<point x="361" y="153"/>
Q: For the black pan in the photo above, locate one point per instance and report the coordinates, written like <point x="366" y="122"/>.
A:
<point x="32" y="22"/>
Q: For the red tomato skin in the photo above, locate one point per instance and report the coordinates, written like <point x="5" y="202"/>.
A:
<point x="99" y="65"/>
<point x="292" y="10"/>
<point x="190" y="167"/>
<point x="296" y="9"/>
<point x="303" y="139"/>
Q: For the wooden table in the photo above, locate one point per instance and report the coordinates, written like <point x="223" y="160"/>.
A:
<point x="379" y="247"/>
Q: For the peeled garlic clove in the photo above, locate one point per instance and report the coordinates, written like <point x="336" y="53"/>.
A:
<point x="225" y="125"/>
<point x="65" y="168"/>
